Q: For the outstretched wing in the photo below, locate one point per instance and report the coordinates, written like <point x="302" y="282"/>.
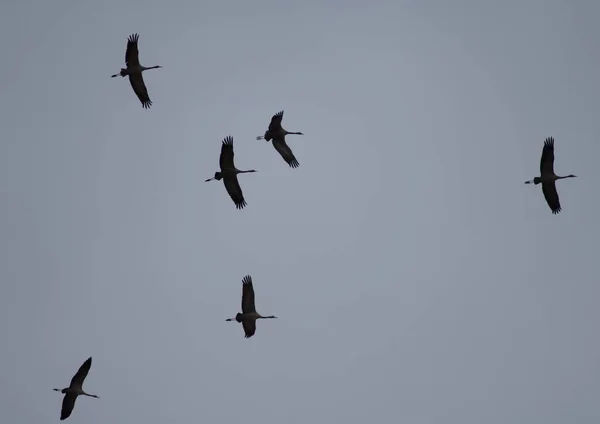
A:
<point x="249" y="328"/>
<point x="230" y="180"/>
<point x="247" y="295"/>
<point x="275" y="124"/>
<point x="551" y="195"/>
<point x="232" y="186"/>
<point x="226" y="158"/>
<point x="81" y="374"/>
<point x="68" y="404"/>
<point x="285" y="152"/>
<point x="547" y="161"/>
<point x="139" y="88"/>
<point x="137" y="82"/>
<point x="132" y="53"/>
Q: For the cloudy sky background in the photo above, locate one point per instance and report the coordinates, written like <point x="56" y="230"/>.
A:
<point x="416" y="278"/>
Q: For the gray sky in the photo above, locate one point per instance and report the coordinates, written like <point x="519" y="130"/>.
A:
<point x="416" y="278"/>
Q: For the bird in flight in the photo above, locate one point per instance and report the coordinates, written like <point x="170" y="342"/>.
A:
<point x="277" y="134"/>
<point x="75" y="389"/>
<point x="134" y="71"/>
<point x="547" y="176"/>
<point x="249" y="315"/>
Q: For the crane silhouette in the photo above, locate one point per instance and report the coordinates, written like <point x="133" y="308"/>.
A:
<point x="249" y="315"/>
<point x="229" y="174"/>
<point x="277" y="134"/>
<point x="134" y="71"/>
<point x="75" y="389"/>
<point x="548" y="177"/>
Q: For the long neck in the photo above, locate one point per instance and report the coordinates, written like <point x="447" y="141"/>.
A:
<point x="292" y="132"/>
<point x="562" y="178"/>
<point x="244" y="172"/>
<point x="270" y="316"/>
<point x="151" y="67"/>
<point x="87" y="394"/>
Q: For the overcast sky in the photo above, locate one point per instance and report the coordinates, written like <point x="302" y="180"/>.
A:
<point x="416" y="278"/>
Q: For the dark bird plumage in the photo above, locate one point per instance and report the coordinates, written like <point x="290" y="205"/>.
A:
<point x="547" y="176"/>
<point x="134" y="71"/>
<point x="229" y="173"/>
<point x="277" y="134"/>
<point x="249" y="315"/>
<point x="75" y="389"/>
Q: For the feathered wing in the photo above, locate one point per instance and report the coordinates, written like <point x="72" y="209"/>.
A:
<point x="68" y="404"/>
<point x="232" y="186"/>
<point x="81" y="374"/>
<point x="132" y="53"/>
<point x="551" y="195"/>
<point x="547" y="160"/>
<point x="247" y="295"/>
<point x="249" y="328"/>
<point x="226" y="157"/>
<point x="275" y="124"/>
<point x="230" y="180"/>
<point x="136" y="80"/>
<point x="139" y="88"/>
<point x="285" y="152"/>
